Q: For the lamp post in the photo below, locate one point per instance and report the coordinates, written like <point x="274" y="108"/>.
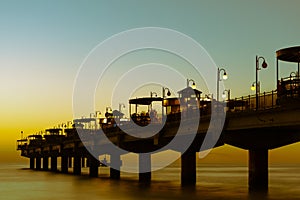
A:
<point x="92" y="115"/>
<point x="257" y="84"/>
<point x="121" y="105"/>
<point x="153" y="93"/>
<point x="224" y="94"/>
<point x="208" y="97"/>
<point x="291" y="75"/>
<point x="224" y="77"/>
<point x="188" y="83"/>
<point x="163" y="96"/>
<point x="97" y="113"/>
<point x="253" y="86"/>
<point x="108" y="109"/>
<point x="164" y="92"/>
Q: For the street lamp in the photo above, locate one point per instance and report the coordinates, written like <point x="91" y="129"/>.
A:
<point x="163" y="96"/>
<point x="253" y="86"/>
<point x="188" y="83"/>
<point x="153" y="93"/>
<point x="164" y="92"/>
<point x="208" y="97"/>
<point x="92" y="115"/>
<point x="224" y="77"/>
<point x="257" y="84"/>
<point x="224" y="94"/>
<point x="108" y="109"/>
<point x="121" y="105"/>
<point x="291" y="75"/>
<point x="68" y="123"/>
<point x="97" y="113"/>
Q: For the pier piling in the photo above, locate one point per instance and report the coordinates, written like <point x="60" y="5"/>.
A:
<point x="116" y="162"/>
<point x="258" y="169"/>
<point x="145" y="168"/>
<point x="45" y="163"/>
<point x="64" y="164"/>
<point x="32" y="160"/>
<point x="188" y="168"/>
<point x="77" y="165"/>
<point x="53" y="163"/>
<point x="93" y="166"/>
<point x="38" y="163"/>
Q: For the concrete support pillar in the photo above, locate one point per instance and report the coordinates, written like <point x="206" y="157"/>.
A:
<point x="87" y="162"/>
<point x="77" y="165"/>
<point x="45" y="163"/>
<point x="38" y="163"/>
<point x="70" y="162"/>
<point x="83" y="162"/>
<point x="93" y="166"/>
<point x="145" y="168"/>
<point x="64" y="164"/>
<point x="258" y="169"/>
<point x="188" y="168"/>
<point x="31" y="162"/>
<point x="115" y="161"/>
<point x="53" y="163"/>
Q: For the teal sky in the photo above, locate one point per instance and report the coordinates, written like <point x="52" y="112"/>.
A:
<point x="43" y="43"/>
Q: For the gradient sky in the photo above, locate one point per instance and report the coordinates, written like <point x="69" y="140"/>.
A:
<point x="43" y="43"/>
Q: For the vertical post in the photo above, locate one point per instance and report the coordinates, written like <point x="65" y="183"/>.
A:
<point x="136" y="108"/>
<point x="83" y="161"/>
<point x="258" y="169"/>
<point x="54" y="163"/>
<point x="188" y="168"/>
<point x="272" y="98"/>
<point x="77" y="164"/>
<point x="70" y="162"/>
<point x="32" y="162"/>
<point x="45" y="163"/>
<point x="87" y="162"/>
<point x="256" y="84"/>
<point x="298" y="71"/>
<point x="277" y="71"/>
<point x="264" y="100"/>
<point x="94" y="166"/>
<point x="38" y="163"/>
<point x="145" y="168"/>
<point x="218" y="84"/>
<point x="64" y="164"/>
<point x="115" y="161"/>
<point x="162" y="103"/>
<point x="243" y="104"/>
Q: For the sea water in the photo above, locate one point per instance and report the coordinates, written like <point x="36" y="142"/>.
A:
<point x="214" y="181"/>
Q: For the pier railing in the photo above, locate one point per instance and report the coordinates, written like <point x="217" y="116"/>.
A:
<point x="266" y="100"/>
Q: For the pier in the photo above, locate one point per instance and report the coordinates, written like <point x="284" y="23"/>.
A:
<point x="256" y="123"/>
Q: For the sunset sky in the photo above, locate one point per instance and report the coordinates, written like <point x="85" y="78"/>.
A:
<point x="43" y="44"/>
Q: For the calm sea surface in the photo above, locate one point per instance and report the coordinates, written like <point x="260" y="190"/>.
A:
<point x="213" y="182"/>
